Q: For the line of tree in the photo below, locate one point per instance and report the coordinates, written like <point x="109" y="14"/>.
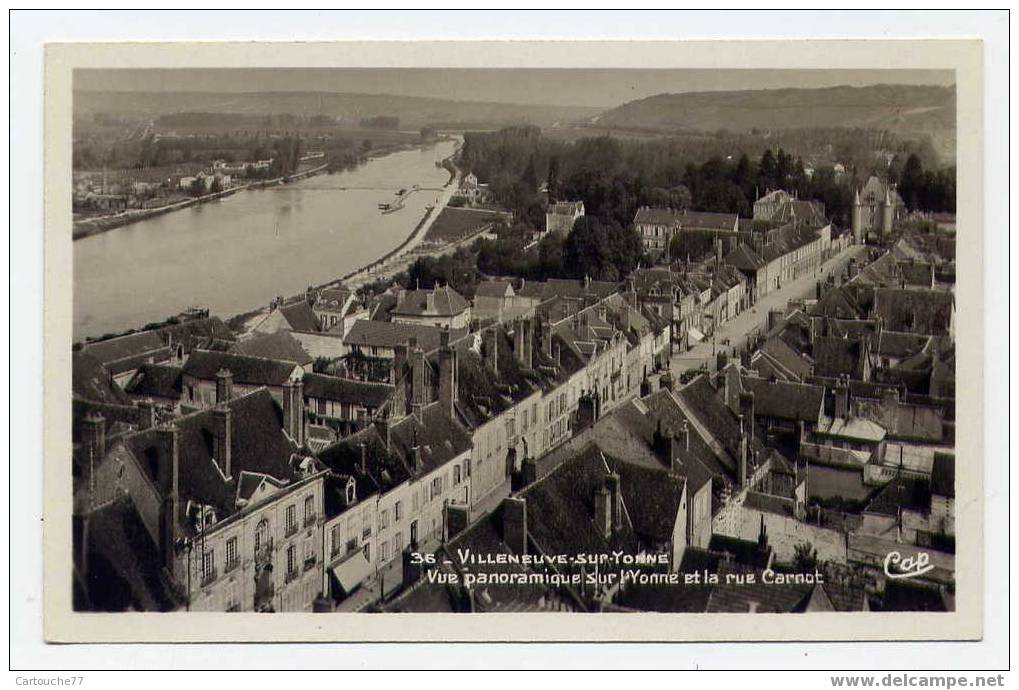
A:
<point x="614" y="176"/>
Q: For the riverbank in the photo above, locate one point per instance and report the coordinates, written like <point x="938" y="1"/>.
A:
<point x="305" y="219"/>
<point x="94" y="226"/>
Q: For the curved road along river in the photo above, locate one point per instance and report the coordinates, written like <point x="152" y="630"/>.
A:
<point x="236" y="254"/>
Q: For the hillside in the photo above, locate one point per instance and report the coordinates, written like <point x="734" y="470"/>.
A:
<point x="350" y="107"/>
<point x="904" y="109"/>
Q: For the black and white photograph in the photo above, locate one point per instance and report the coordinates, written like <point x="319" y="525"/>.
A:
<point x="514" y="340"/>
<point x="546" y="347"/>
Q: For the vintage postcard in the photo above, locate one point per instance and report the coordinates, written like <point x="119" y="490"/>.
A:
<point x="514" y="341"/>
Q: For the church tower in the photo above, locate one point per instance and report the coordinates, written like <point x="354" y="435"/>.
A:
<point x="857" y="218"/>
<point x="886" y="213"/>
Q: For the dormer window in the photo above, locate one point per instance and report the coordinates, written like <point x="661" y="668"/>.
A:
<point x="351" y="491"/>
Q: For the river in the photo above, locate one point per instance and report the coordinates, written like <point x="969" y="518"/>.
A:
<point x="237" y="253"/>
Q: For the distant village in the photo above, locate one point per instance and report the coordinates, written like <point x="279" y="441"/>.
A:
<point x="754" y="425"/>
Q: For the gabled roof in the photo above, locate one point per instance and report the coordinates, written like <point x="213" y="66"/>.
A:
<point x="156" y="380"/>
<point x="439" y="301"/>
<point x="333" y="299"/>
<point x="258" y="444"/>
<point x="745" y="259"/>
<point x="494" y="288"/>
<point x="390" y="334"/>
<point x="113" y="350"/>
<point x="652" y="497"/>
<point x="785" y="400"/>
<point x="300" y="316"/>
<point x="560" y="509"/>
<point x="914" y="311"/>
<point x="280" y="345"/>
<point x="256" y="371"/>
<point x="834" y="357"/>
<point x="90" y="380"/>
<point x="349" y="391"/>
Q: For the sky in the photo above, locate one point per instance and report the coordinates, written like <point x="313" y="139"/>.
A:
<point x="596" y="88"/>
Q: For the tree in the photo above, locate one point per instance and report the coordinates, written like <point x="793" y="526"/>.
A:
<point x="805" y="557"/>
<point x="602" y="251"/>
<point x="912" y="182"/>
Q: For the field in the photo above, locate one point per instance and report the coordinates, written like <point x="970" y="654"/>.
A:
<point x="456" y="223"/>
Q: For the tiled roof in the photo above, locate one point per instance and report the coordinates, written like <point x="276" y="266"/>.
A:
<point x="445" y="301"/>
<point x="385" y="469"/>
<point x="333" y="299"/>
<point x="348" y="391"/>
<point x="784" y="400"/>
<point x="112" y="351"/>
<point x="560" y="509"/>
<point x="834" y="357"/>
<point x="280" y="345"/>
<point x="914" y="311"/>
<point x="493" y="288"/>
<point x="893" y="344"/>
<point x="652" y="497"/>
<point x="566" y="208"/>
<point x="258" y="444"/>
<point x="745" y="259"/>
<point x="901" y="492"/>
<point x="300" y="316"/>
<point x="123" y="563"/>
<point x="389" y="334"/>
<point x="257" y="371"/>
<point x="755" y="597"/>
<point x="194" y="333"/>
<point x="809" y="212"/>
<point x="156" y="380"/>
<point x="780" y="357"/>
<point x="559" y="287"/>
<point x="656" y="216"/>
<point x="91" y="381"/>
<point x="439" y="438"/>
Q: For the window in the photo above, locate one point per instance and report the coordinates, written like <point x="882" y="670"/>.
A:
<point x="208" y="565"/>
<point x="231" y="553"/>
<point x="397" y="543"/>
<point x="291" y="521"/>
<point x="456" y="475"/>
<point x="368" y="552"/>
<point x="309" y="509"/>
<point x="383" y="519"/>
<point x="334" y="540"/>
<point x="397" y="511"/>
<point x="416" y="502"/>
<point x="291" y="560"/>
<point x="261" y="535"/>
<point x="385" y="551"/>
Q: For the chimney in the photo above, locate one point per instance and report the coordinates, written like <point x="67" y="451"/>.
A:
<point x="684" y="436"/>
<point x="447" y="375"/>
<point x="415" y="454"/>
<point x="222" y="433"/>
<point x="224" y="385"/>
<point x="514" y="524"/>
<point x="146" y="414"/>
<point x="430" y="301"/>
<point x="746" y="409"/>
<point x="94" y="436"/>
<point x="399" y="361"/>
<point x="293" y="409"/>
<point x="491" y="349"/>
<point x="743" y="449"/>
<point x="363" y="464"/>
<point x="545" y="333"/>
<point x="616" y="498"/>
<point x="419" y="377"/>
<point x="168" y="481"/>
<point x="529" y="471"/>
<point x="603" y="511"/>
<point x="401" y="295"/>
<point x="841" y="398"/>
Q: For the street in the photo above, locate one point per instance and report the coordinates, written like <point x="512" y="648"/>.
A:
<point x="736" y="330"/>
